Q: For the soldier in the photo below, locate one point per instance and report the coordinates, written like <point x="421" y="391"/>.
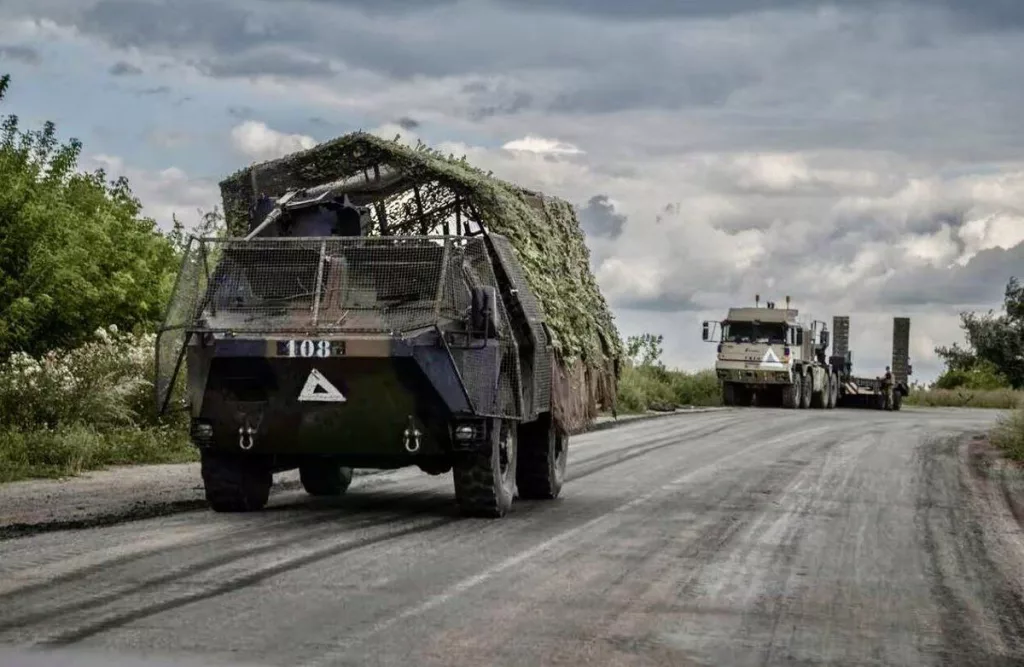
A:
<point x="887" y="388"/>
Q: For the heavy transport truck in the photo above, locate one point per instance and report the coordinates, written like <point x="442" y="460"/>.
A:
<point x="767" y="357"/>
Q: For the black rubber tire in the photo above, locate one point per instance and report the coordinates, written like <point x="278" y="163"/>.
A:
<point x="541" y="459"/>
<point x="819" y="399"/>
<point x="897" y="400"/>
<point x="791" y="394"/>
<point x="323" y="478"/>
<point x="833" y="389"/>
<point x="805" y="391"/>
<point x="743" y="396"/>
<point x="482" y="487"/>
<point x="235" y="483"/>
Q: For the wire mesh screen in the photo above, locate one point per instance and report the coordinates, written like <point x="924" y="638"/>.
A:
<point x="479" y="378"/>
<point x="382" y="285"/>
<point x="181" y="311"/>
<point x="514" y="270"/>
<point x="335" y="285"/>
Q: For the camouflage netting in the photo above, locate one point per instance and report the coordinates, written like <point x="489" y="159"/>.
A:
<point x="421" y="191"/>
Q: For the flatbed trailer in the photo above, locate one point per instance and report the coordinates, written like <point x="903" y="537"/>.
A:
<point x="869" y="392"/>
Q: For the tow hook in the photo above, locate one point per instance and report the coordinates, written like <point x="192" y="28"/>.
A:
<point x="245" y="439"/>
<point x="411" y="438"/>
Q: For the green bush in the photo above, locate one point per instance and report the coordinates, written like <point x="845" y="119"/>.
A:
<point x="1008" y="434"/>
<point x="982" y="375"/>
<point x="84" y="408"/>
<point x="647" y="387"/>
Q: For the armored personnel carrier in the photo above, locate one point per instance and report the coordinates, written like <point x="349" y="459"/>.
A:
<point x="379" y="306"/>
<point x="766" y="356"/>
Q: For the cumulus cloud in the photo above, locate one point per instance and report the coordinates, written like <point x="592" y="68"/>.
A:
<point x="601" y="219"/>
<point x="122" y="68"/>
<point x="255" y="140"/>
<point x="533" y="144"/>
<point x="20" y="53"/>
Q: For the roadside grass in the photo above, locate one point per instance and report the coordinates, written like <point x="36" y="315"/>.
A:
<point x="644" y="388"/>
<point x="72" y="449"/>
<point x="1008" y="435"/>
<point x="998" y="399"/>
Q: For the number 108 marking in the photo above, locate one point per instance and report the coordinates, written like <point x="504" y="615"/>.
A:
<point x="309" y="348"/>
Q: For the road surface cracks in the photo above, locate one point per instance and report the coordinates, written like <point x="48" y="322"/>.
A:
<point x="747" y="537"/>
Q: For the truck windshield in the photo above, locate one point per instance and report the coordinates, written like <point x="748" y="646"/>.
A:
<point x="749" y="332"/>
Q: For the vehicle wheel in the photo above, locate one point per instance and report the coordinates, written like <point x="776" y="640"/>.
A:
<point x="897" y="400"/>
<point x="805" y="391"/>
<point x="835" y="389"/>
<point x="830" y="382"/>
<point x="323" y="478"/>
<point x="542" y="456"/>
<point x="485" y="480"/>
<point x="235" y="483"/>
<point x="728" y="394"/>
<point x="819" y="399"/>
<point x="791" y="394"/>
<point x="743" y="396"/>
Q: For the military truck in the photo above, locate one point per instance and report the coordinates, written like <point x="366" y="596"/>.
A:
<point x="766" y="356"/>
<point x="380" y="319"/>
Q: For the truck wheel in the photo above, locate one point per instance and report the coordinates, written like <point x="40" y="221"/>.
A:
<point x="830" y="391"/>
<point x="485" y="480"/>
<point x="235" y="483"/>
<point x="791" y="398"/>
<point x="897" y="400"/>
<point x="837" y="396"/>
<point x="743" y="396"/>
<point x="542" y="457"/>
<point x="819" y="399"/>
<point x="728" y="394"/>
<point x="805" y="391"/>
<point x="322" y="478"/>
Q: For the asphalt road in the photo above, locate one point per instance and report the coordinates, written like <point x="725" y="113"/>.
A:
<point x="744" y="537"/>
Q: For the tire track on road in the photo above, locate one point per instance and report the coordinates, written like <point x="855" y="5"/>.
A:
<point x="235" y="583"/>
<point x="336" y="653"/>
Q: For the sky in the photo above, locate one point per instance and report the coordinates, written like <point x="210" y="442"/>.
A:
<point x="864" y="160"/>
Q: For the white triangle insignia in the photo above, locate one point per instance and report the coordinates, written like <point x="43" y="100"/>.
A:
<point x="318" y="388"/>
<point x="770" y="359"/>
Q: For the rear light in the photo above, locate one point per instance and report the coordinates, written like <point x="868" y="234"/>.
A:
<point x="785" y="351"/>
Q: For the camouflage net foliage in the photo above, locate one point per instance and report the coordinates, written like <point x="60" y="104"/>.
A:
<point x="434" y="193"/>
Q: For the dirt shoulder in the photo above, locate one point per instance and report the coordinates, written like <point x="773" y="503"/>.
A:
<point x="993" y="487"/>
<point x="998" y="481"/>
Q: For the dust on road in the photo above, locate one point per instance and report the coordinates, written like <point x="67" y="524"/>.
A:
<point x="735" y="538"/>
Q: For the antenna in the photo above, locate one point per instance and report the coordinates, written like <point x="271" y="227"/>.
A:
<point x="787" y="302"/>
<point x="757" y="301"/>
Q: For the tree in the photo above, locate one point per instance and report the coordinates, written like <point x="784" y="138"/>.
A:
<point x="75" y="251"/>
<point x="995" y="345"/>
<point x="645" y="349"/>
